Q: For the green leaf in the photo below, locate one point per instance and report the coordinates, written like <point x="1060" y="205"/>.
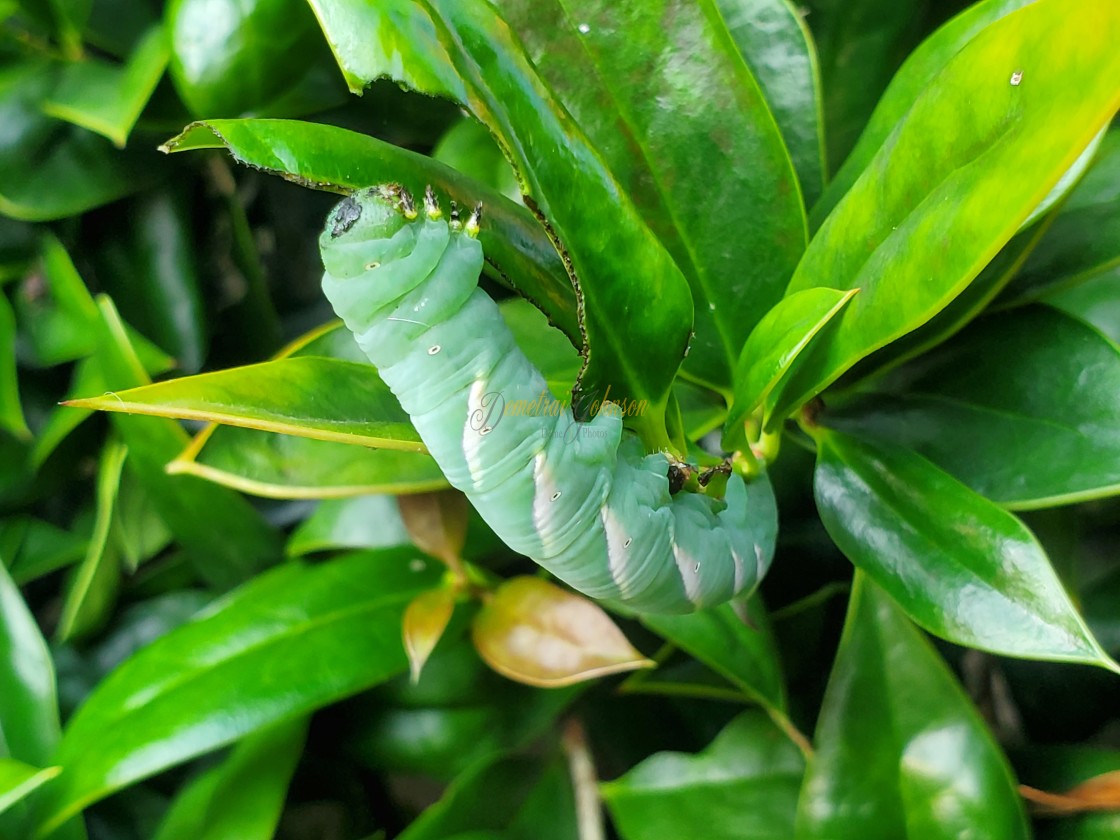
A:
<point x="242" y="798"/>
<point x="32" y="547"/>
<point x="901" y="752"/>
<point x="227" y="538"/>
<point x="290" y="641"/>
<point x="507" y="792"/>
<point x="18" y="780"/>
<point x="777" y="46"/>
<point x="92" y="590"/>
<point x="360" y="522"/>
<point x="11" y="412"/>
<point x="467" y="147"/>
<point x="332" y="158"/>
<point x="919" y="71"/>
<point x="1028" y="423"/>
<point x="231" y="57"/>
<point x="922" y="190"/>
<point x="1084" y="239"/>
<point x="150" y="266"/>
<point x="74" y="170"/>
<point x="735" y="641"/>
<point x="618" y="262"/>
<point x="776" y="342"/>
<point x="743" y="786"/>
<point x="1095" y="301"/>
<point x="28" y="707"/>
<point x="961" y="567"/>
<point x="28" y="702"/>
<point x="664" y="95"/>
<point x="310" y="396"/>
<point x="290" y="467"/>
<point x="108" y="98"/>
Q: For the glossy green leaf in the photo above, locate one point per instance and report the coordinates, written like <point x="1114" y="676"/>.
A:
<point x="743" y="786"/>
<point x="735" y="641"/>
<point x="28" y="706"/>
<point x="1016" y="133"/>
<point x="901" y="752"/>
<point x="74" y="169"/>
<point x="227" y="538"/>
<point x="230" y="58"/>
<point x="311" y="396"/>
<point x="1084" y="239"/>
<point x="586" y="209"/>
<point x="917" y="73"/>
<point x="774" y="41"/>
<point x="290" y="467"/>
<point x="775" y="343"/>
<point x="467" y="147"/>
<point x="506" y="793"/>
<point x="664" y="95"/>
<point x="33" y="547"/>
<point x="360" y="522"/>
<point x="152" y="269"/>
<point x="963" y="568"/>
<point x="332" y="158"/>
<point x="242" y="798"/>
<point x="1026" y="422"/>
<point x="86" y="379"/>
<point x="18" y="780"/>
<point x="11" y="412"/>
<point x="1095" y="301"/>
<point x="290" y="641"/>
<point x="958" y="313"/>
<point x="138" y="531"/>
<point x="92" y="589"/>
<point x="108" y="98"/>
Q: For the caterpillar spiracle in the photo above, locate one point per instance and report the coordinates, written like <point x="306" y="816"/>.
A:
<point x="591" y="507"/>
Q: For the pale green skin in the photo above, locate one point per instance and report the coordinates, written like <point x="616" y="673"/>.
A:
<point x="580" y="499"/>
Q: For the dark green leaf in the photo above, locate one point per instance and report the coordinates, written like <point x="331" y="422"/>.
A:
<point x="1084" y="239"/>
<point x="467" y="147"/>
<point x="49" y="169"/>
<point x="499" y="795"/>
<point x="664" y="95"/>
<point x="11" y="412"/>
<point x="32" y="547"/>
<point x="961" y="567"/>
<point x="1026" y="422"/>
<point x="477" y="58"/>
<point x="231" y="57"/>
<point x="1017" y="133"/>
<point x="1095" y="301"/>
<point x="901" y="752"/>
<point x="106" y="97"/>
<point x="18" y="780"/>
<point x="775" y="43"/>
<point x="243" y="796"/>
<point x="735" y="641"/>
<point x="743" y="786"/>
<point x="290" y="641"/>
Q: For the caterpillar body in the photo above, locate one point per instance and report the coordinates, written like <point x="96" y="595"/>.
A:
<point x="582" y="499"/>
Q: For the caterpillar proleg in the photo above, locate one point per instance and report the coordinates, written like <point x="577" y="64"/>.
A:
<point x="582" y="499"/>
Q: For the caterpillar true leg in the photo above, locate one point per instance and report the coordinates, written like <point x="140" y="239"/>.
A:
<point x="581" y="499"/>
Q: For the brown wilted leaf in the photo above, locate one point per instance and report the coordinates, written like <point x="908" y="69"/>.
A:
<point x="424" y="622"/>
<point x="1100" y="793"/>
<point x="539" y="634"/>
<point x="437" y="523"/>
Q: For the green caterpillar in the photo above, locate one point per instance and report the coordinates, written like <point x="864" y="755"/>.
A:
<point x="581" y="499"/>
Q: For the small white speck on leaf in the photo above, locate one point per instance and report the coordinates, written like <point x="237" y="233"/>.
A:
<point x="583" y="28"/>
<point x="1016" y="77"/>
<point x="435" y="348"/>
<point x="417" y="565"/>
